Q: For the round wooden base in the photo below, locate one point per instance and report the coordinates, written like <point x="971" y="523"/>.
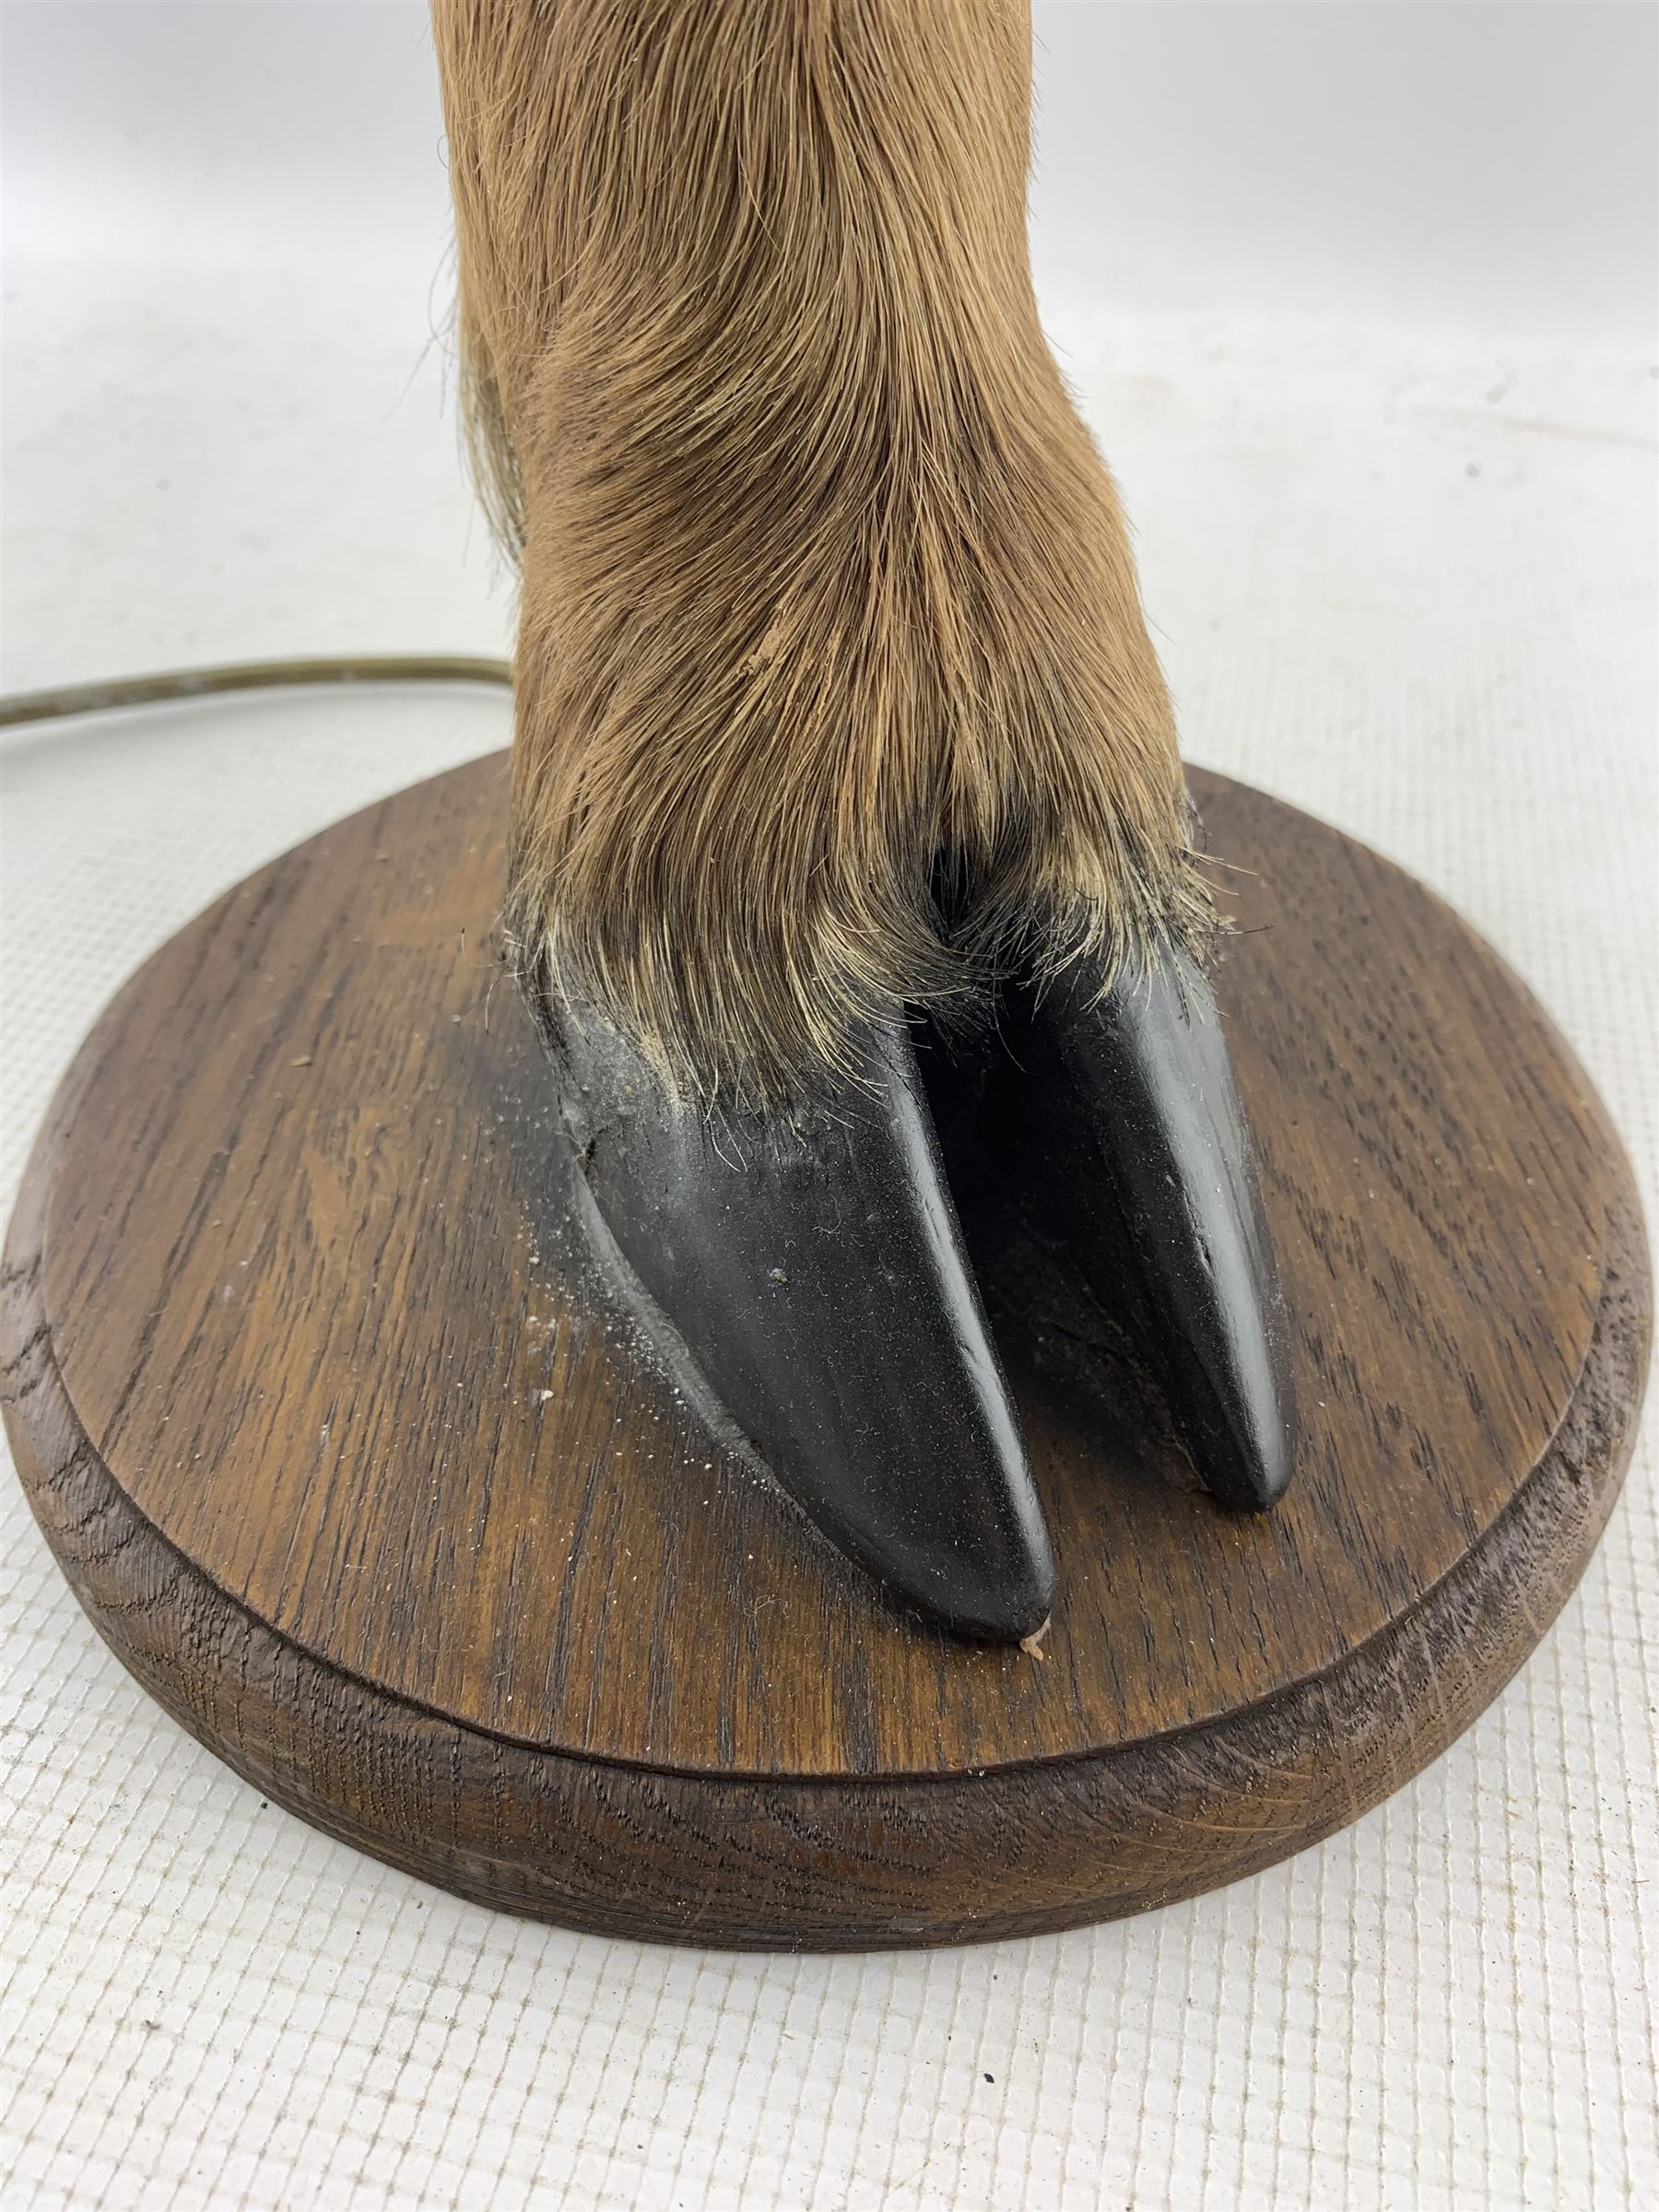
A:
<point x="354" y="1459"/>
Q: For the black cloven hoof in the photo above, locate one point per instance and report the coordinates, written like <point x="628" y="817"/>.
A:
<point x="1132" y="1095"/>
<point x="806" y="1272"/>
<point x="810" y="1263"/>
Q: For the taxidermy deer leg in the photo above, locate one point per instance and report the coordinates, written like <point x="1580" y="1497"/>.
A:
<point x="835" y="702"/>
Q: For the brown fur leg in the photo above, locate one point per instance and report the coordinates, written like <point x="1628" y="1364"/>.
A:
<point x="825" y="588"/>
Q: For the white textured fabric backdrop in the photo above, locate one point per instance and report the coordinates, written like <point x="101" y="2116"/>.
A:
<point x="1360" y="303"/>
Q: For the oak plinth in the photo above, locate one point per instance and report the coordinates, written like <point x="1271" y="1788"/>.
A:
<point x="355" y="1461"/>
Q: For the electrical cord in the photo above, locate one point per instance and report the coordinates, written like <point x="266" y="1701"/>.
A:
<point x="249" y="675"/>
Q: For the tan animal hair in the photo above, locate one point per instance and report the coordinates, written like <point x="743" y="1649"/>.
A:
<point x="833" y="687"/>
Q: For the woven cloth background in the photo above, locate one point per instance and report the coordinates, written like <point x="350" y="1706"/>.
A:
<point x="1404" y="577"/>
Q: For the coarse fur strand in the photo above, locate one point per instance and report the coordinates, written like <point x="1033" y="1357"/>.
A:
<point x="835" y="691"/>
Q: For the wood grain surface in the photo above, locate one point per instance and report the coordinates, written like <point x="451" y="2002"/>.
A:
<point x="356" y="1461"/>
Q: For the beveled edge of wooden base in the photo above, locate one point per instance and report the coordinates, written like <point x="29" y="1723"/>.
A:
<point x="863" y="1862"/>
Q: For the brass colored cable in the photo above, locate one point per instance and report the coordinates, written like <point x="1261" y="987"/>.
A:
<point x="248" y="675"/>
